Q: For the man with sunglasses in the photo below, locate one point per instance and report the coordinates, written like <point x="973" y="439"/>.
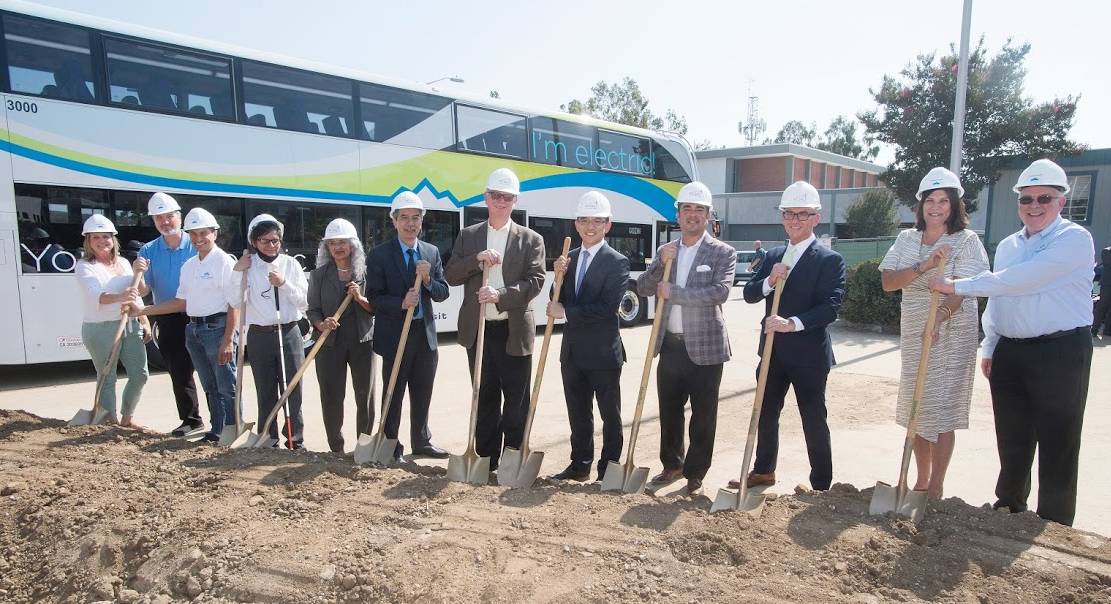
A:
<point x="814" y="284"/>
<point x="515" y="256"/>
<point x="1037" y="348"/>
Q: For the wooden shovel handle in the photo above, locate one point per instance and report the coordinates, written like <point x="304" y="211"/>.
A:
<point x="239" y="353"/>
<point x="556" y="288"/>
<point x="476" y="381"/>
<point x="647" y="371"/>
<point x="397" y="357"/>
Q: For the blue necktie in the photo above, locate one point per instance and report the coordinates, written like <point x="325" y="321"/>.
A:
<point x="584" y="257"/>
<point x="410" y="255"/>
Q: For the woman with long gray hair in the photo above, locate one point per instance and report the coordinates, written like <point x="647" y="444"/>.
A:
<point x="341" y="270"/>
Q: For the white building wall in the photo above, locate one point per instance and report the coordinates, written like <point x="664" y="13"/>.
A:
<point x="714" y="173"/>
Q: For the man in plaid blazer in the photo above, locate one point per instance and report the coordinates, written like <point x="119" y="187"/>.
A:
<point x="694" y="343"/>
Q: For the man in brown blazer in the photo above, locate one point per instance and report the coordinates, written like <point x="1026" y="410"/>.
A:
<point x="515" y="255"/>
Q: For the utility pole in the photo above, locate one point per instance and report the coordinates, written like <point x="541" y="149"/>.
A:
<point x="962" y="88"/>
<point x="753" y="127"/>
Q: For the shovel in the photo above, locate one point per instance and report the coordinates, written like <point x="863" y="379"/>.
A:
<point x="519" y="467"/>
<point x="900" y="499"/>
<point x="96" y="415"/>
<point x="627" y="477"/>
<point x="744" y="500"/>
<point x="376" y="448"/>
<point x="240" y="431"/>
<point x="469" y="467"/>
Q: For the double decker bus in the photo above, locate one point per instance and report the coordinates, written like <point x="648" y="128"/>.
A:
<point x="97" y="115"/>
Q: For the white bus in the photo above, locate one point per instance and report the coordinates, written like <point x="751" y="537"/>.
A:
<point x="98" y="115"/>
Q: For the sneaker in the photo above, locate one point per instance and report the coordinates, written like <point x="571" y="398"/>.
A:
<point x="210" y="438"/>
<point x="186" y="429"/>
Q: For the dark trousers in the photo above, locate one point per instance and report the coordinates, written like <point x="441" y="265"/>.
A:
<point x="503" y="394"/>
<point x="265" y="356"/>
<point x="1101" y="311"/>
<point x="171" y="343"/>
<point x="810" y="393"/>
<point x="580" y="387"/>
<point x="417" y="374"/>
<point x="1038" y="393"/>
<point x="332" y="363"/>
<point x="677" y="380"/>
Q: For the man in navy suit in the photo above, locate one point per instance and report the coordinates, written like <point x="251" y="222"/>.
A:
<point x="592" y="354"/>
<point x="391" y="269"/>
<point x="802" y="355"/>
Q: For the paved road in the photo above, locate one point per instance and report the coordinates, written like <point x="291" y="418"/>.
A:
<point x="866" y="441"/>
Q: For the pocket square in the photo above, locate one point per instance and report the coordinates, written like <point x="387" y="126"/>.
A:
<point x="702" y="268"/>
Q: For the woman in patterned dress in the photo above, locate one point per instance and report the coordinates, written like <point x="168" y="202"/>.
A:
<point x="939" y="232"/>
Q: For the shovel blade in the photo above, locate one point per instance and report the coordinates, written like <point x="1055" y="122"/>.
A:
<point x="243" y="440"/>
<point x="469" y="468"/>
<point x="364" y="449"/>
<point x="457" y="468"/>
<point x="84" y="417"/>
<point x="726" y="500"/>
<point x="636" y="481"/>
<point x="231" y="433"/>
<point x="525" y="474"/>
<point x="510" y="466"/>
<point x="886" y="498"/>
<point x="479" y="472"/>
<point x="614" y="480"/>
<point x="383" y="449"/>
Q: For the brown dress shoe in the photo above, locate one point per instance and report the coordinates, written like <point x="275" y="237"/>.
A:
<point x="668" y="475"/>
<point x="755" y="480"/>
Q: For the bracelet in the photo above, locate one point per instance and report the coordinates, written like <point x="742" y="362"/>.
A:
<point x="948" y="311"/>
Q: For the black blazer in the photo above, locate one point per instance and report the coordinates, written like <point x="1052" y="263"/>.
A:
<point x="813" y="293"/>
<point x="591" y="336"/>
<point x="326" y="293"/>
<point x="387" y="281"/>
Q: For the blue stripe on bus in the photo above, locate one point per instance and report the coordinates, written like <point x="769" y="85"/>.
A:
<point x="645" y="192"/>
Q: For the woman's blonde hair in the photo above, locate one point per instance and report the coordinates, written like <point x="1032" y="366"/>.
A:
<point x="89" y="254"/>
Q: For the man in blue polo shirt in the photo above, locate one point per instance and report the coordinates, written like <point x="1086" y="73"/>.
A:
<point x="162" y="260"/>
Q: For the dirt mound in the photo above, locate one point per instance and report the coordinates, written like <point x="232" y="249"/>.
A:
<point x="100" y="513"/>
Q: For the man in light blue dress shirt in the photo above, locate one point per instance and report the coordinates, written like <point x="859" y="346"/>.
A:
<point x="1037" y="348"/>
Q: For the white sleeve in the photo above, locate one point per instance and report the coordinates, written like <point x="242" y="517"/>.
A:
<point x="88" y="281"/>
<point x="297" y="291"/>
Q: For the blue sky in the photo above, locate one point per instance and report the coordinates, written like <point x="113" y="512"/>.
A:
<point x="807" y="60"/>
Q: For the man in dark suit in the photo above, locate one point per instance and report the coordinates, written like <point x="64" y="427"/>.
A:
<point x="515" y="255"/>
<point x="591" y="354"/>
<point x="391" y="270"/>
<point x="803" y="354"/>
<point x="693" y="342"/>
<point x="1102" y="310"/>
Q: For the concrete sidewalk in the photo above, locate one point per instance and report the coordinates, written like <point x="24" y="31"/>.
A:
<point x="866" y="441"/>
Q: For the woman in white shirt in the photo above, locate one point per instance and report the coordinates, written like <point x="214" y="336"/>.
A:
<point x="104" y="279"/>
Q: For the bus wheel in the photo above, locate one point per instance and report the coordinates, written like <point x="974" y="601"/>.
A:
<point x="632" y="309"/>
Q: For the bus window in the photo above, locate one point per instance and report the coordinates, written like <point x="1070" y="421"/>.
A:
<point x="553" y="230"/>
<point x="668" y="167"/>
<point x="634" y="241"/>
<point x="624" y="153"/>
<point x="304" y="224"/>
<point x="493" y="132"/>
<point x="228" y="211"/>
<point x="477" y="214"/>
<point x="404" y="117"/>
<point x="440" y="229"/>
<point x="49" y="59"/>
<point x="129" y="214"/>
<point x="50" y="237"/>
<point x="561" y="143"/>
<point x="167" y="79"/>
<point x="377" y="226"/>
<point x="296" y="100"/>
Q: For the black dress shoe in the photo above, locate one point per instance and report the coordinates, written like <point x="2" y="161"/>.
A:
<point x="573" y="472"/>
<point x="430" y="450"/>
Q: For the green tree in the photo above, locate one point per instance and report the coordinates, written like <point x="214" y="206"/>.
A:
<point x="624" y="103"/>
<point x="873" y="214"/>
<point x="840" y="138"/>
<point x="915" y="116"/>
<point x="795" y="133"/>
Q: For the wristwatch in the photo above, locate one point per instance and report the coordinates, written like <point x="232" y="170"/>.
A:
<point x="917" y="268"/>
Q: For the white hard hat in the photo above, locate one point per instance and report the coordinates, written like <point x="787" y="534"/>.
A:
<point x="593" y="205"/>
<point x="800" y="194"/>
<point x="940" y="178"/>
<point x="406" y="200"/>
<point x="200" y="218"/>
<point x="695" y="192"/>
<point x="340" y="229"/>
<point x="98" y="223"/>
<point x="161" y="203"/>
<point x="265" y="218"/>
<point x="1043" y="172"/>
<point x="504" y="180"/>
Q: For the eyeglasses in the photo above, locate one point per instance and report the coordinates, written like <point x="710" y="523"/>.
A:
<point x="789" y="215"/>
<point x="594" y="221"/>
<point x="268" y="241"/>
<point x="1041" y="199"/>
<point x="499" y="196"/>
<point x="414" y="218"/>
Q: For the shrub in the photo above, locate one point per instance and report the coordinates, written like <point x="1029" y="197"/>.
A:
<point x="865" y="301"/>
<point x="873" y="214"/>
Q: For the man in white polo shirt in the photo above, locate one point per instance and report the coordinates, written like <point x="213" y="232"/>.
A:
<point x="210" y="334"/>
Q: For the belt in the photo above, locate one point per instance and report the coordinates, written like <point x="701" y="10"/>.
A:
<point x="213" y="318"/>
<point x="674" y="336"/>
<point x="1050" y="336"/>
<point x="273" y="328"/>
